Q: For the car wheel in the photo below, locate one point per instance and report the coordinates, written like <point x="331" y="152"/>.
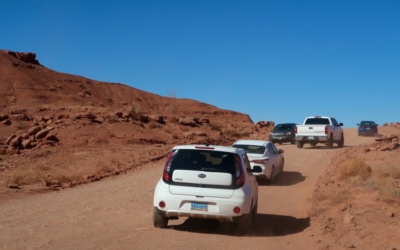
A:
<point x="271" y="179"/>
<point x="341" y="142"/>
<point x="158" y="220"/>
<point x="244" y="227"/>
<point x="283" y="164"/>
<point x="313" y="144"/>
<point x="280" y="143"/>
<point x="300" y="144"/>
<point x="330" y="142"/>
<point x="293" y="141"/>
<point x="254" y="212"/>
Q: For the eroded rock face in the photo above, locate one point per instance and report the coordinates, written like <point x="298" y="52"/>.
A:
<point x="27" y="57"/>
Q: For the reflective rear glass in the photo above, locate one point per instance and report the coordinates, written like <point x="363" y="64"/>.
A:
<point x="203" y="160"/>
<point x="251" y="149"/>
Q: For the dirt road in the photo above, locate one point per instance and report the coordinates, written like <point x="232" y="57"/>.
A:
<point x="117" y="213"/>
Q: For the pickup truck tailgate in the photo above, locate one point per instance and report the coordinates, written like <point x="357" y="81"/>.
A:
<point x="310" y="130"/>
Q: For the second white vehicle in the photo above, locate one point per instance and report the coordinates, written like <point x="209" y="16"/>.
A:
<point x="265" y="155"/>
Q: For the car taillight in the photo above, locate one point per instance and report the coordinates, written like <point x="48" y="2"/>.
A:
<point x="260" y="161"/>
<point x="295" y="130"/>
<point x="167" y="167"/>
<point x="239" y="171"/>
<point x="326" y="130"/>
<point x="236" y="210"/>
<point x="161" y="204"/>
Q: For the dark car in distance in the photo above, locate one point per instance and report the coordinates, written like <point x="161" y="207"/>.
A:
<point x="367" y="128"/>
<point x="283" y="132"/>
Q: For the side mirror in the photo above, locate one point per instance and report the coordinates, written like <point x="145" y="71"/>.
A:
<point x="256" y="169"/>
<point x="281" y="151"/>
<point x="340" y="124"/>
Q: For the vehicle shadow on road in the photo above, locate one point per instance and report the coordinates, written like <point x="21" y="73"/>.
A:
<point x="324" y="147"/>
<point x="285" y="178"/>
<point x="264" y="225"/>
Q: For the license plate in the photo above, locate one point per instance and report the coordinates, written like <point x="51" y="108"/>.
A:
<point x="199" y="207"/>
<point x="368" y="128"/>
<point x="311" y="137"/>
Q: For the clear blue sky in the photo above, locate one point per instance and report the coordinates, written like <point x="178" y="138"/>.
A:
<point x="274" y="60"/>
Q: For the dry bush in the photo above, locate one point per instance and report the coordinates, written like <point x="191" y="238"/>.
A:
<point x="339" y="197"/>
<point x="353" y="167"/>
<point x="384" y="183"/>
<point x="173" y="119"/>
<point x="167" y="130"/>
<point x="134" y="111"/>
<point x="29" y="175"/>
<point x="81" y="86"/>
<point x="152" y="124"/>
<point x="232" y="133"/>
<point x="175" y="135"/>
<point x="173" y="107"/>
<point x="215" y="126"/>
<point x="21" y="125"/>
<point x="11" y="99"/>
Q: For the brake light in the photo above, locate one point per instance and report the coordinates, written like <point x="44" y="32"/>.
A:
<point x="295" y="130"/>
<point x="167" y="167"/>
<point x="236" y="210"/>
<point x="161" y="204"/>
<point x="326" y="130"/>
<point x="261" y="161"/>
<point x="239" y="171"/>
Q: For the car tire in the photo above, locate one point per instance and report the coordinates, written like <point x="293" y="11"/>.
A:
<point x="293" y="141"/>
<point x="300" y="144"/>
<point x="280" y="143"/>
<point x="341" y="142"/>
<point x="330" y="142"/>
<point x="244" y="227"/>
<point x="271" y="179"/>
<point x="313" y="144"/>
<point x="158" y="220"/>
<point x="254" y="212"/>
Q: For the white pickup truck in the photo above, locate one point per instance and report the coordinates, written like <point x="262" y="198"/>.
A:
<point x="319" y="129"/>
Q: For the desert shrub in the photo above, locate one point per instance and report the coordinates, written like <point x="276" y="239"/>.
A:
<point x="28" y="175"/>
<point x="215" y="126"/>
<point x="109" y="100"/>
<point x="167" y="130"/>
<point x="173" y="107"/>
<point x="21" y="125"/>
<point x="152" y="124"/>
<point x="81" y="86"/>
<point x="353" y="167"/>
<point x="134" y="111"/>
<point x="175" y="135"/>
<point x="232" y="133"/>
<point x="11" y="99"/>
<point x="173" y="119"/>
<point x="339" y="197"/>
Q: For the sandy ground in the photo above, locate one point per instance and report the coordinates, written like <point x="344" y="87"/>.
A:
<point x="116" y="213"/>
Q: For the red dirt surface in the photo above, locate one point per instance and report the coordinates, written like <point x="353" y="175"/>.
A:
<point x="115" y="138"/>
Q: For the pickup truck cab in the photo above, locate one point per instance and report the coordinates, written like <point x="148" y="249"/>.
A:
<point x="319" y="129"/>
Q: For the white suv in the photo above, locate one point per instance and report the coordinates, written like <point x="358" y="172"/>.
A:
<point x="209" y="182"/>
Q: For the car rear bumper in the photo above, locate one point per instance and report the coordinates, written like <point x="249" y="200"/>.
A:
<point x="312" y="139"/>
<point x="367" y="132"/>
<point x="218" y="208"/>
<point x="202" y="215"/>
<point x="281" y="138"/>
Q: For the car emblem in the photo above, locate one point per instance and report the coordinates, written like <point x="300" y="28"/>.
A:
<point x="202" y="176"/>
